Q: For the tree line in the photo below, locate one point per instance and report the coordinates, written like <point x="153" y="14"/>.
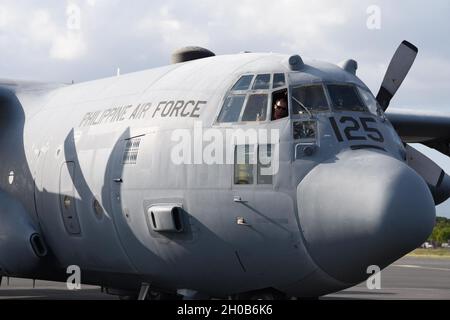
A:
<point x="441" y="232"/>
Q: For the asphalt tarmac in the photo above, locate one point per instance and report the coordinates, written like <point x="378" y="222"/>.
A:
<point x="410" y="278"/>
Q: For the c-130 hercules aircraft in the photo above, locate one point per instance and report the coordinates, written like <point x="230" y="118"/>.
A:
<point x="86" y="179"/>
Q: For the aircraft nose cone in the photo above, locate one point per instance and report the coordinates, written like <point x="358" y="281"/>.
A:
<point x="361" y="209"/>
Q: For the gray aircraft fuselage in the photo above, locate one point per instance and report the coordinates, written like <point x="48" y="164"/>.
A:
<point x="84" y="163"/>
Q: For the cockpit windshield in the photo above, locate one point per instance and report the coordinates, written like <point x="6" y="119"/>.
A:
<point x="268" y="97"/>
<point x="309" y="99"/>
<point x="345" y="98"/>
<point x="370" y="101"/>
<point x="314" y="98"/>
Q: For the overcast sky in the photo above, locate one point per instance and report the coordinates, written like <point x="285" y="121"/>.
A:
<point x="61" y="41"/>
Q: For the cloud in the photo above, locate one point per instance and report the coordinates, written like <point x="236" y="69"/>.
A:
<point x="37" y="43"/>
<point x="6" y="17"/>
<point x="171" y="31"/>
<point x="68" y="47"/>
<point x="295" y="23"/>
<point x="37" y="30"/>
<point x="63" y="43"/>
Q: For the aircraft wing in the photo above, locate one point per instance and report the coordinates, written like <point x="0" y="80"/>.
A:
<point x="16" y="85"/>
<point x="429" y="128"/>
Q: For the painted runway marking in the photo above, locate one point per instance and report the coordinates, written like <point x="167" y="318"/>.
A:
<point x="419" y="267"/>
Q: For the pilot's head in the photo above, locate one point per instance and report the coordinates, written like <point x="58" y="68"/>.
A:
<point x="280" y="109"/>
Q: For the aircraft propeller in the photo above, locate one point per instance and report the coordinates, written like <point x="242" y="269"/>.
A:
<point x="397" y="71"/>
<point x="436" y="178"/>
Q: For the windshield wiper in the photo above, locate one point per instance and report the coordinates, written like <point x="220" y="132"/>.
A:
<point x="303" y="106"/>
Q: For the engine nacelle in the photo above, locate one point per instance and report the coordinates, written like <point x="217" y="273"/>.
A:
<point x="21" y="246"/>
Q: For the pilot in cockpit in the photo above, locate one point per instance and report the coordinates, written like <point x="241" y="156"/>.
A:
<point x="280" y="109"/>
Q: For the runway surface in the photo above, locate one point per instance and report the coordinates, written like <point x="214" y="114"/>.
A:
<point x="408" y="278"/>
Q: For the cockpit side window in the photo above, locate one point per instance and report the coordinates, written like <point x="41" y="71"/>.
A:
<point x="279" y="80"/>
<point x="251" y="97"/>
<point x="309" y="98"/>
<point x="256" y="109"/>
<point x="243" y="83"/>
<point x="232" y="109"/>
<point x="345" y="98"/>
<point x="262" y="82"/>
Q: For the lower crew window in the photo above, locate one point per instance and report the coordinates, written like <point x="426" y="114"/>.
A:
<point x="250" y="164"/>
<point x="244" y="163"/>
<point x="265" y="170"/>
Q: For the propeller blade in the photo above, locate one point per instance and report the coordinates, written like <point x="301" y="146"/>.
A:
<point x="397" y="71"/>
<point x="436" y="178"/>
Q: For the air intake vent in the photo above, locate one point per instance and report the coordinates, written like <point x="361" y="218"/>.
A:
<point x="166" y="218"/>
<point x="38" y="245"/>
